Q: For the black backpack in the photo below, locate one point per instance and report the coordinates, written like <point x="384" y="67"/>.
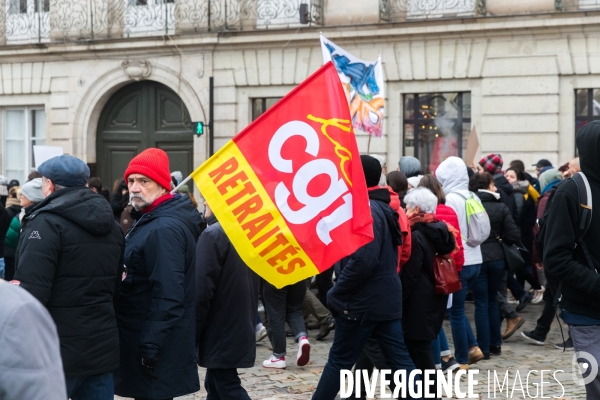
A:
<point x="585" y="214"/>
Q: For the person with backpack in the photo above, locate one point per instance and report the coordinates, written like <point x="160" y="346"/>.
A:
<point x="423" y="309"/>
<point x="485" y="289"/>
<point x="475" y="229"/>
<point x="571" y="252"/>
<point x="538" y="335"/>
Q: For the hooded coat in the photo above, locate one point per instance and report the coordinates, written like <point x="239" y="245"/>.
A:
<point x="70" y="258"/>
<point x="156" y="307"/>
<point x="423" y="310"/>
<point x="563" y="258"/>
<point x="368" y="286"/>
<point x="452" y="174"/>
<point x="225" y="324"/>
<point x="501" y="224"/>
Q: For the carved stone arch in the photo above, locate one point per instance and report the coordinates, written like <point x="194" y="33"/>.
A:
<point x="98" y="93"/>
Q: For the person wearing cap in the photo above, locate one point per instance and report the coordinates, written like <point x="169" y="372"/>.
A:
<point x="540" y="165"/>
<point x="367" y="297"/>
<point x="155" y="311"/>
<point x="70" y="258"/>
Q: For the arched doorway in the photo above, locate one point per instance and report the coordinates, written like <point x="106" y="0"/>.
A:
<point x="141" y="115"/>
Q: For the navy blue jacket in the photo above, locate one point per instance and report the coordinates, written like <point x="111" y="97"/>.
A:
<point x="155" y="311"/>
<point x="226" y="302"/>
<point x="368" y="286"/>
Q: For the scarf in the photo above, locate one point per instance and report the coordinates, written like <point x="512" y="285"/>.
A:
<point x="422" y="218"/>
<point x="495" y="194"/>
<point x="157" y="202"/>
<point x="11" y="201"/>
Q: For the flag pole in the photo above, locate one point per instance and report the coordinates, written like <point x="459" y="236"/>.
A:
<point x="183" y="182"/>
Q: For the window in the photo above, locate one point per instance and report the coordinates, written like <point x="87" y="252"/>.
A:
<point x="436" y="126"/>
<point x="23" y="128"/>
<point x="421" y="9"/>
<point x="27" y="21"/>
<point x="259" y="106"/>
<point x="149" y="17"/>
<point x="587" y="106"/>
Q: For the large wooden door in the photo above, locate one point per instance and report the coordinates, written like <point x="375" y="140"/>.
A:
<point x="141" y="115"/>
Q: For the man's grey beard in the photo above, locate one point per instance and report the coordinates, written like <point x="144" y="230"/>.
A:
<point x="140" y="206"/>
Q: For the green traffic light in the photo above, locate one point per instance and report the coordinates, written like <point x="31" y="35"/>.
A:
<point x="199" y="128"/>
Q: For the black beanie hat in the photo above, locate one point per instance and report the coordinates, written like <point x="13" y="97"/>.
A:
<point x="372" y="170"/>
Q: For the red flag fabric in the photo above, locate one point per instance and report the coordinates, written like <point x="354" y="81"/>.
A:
<point x="289" y="190"/>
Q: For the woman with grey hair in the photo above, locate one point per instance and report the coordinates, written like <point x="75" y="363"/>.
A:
<point x="423" y="309"/>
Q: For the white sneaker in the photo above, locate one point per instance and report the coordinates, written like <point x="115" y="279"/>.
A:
<point x="303" y="352"/>
<point x="538" y="295"/>
<point x="261" y="334"/>
<point x="274" y="362"/>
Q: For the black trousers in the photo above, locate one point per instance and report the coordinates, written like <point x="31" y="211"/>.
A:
<point x="420" y="352"/>
<point x="224" y="384"/>
<point x="370" y="357"/>
<point x="545" y="321"/>
<point x="324" y="283"/>
<point x="284" y="305"/>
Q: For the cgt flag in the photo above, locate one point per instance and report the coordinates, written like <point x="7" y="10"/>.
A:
<point x="289" y="190"/>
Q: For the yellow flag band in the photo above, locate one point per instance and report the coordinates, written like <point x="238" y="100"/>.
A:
<point x="251" y="220"/>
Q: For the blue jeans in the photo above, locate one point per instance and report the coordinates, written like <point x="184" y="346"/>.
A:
<point x="461" y="328"/>
<point x="439" y="347"/>
<point x="487" y="317"/>
<point x="92" y="387"/>
<point x="349" y="339"/>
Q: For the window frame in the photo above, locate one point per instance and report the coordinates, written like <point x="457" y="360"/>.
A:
<point x="263" y="105"/>
<point x="28" y="161"/>
<point x="460" y="119"/>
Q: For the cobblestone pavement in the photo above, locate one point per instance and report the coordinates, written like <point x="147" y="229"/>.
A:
<point x="517" y="355"/>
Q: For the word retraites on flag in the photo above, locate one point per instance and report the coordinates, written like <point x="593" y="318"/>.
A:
<point x="363" y="84"/>
<point x="289" y="190"/>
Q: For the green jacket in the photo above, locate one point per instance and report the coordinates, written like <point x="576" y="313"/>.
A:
<point x="12" y="235"/>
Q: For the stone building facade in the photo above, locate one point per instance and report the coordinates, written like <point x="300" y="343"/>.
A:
<point x="104" y="79"/>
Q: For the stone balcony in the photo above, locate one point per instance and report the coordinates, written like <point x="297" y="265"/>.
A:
<point x="59" y="21"/>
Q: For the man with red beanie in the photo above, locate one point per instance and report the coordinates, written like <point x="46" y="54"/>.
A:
<point x="155" y="312"/>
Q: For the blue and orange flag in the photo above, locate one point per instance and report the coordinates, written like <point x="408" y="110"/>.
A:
<point x="289" y="190"/>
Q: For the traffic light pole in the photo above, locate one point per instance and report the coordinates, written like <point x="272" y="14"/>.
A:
<point x="211" y="109"/>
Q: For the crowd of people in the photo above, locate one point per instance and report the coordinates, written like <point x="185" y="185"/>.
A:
<point x="138" y="289"/>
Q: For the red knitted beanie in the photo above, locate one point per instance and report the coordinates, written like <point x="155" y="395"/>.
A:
<point x="153" y="163"/>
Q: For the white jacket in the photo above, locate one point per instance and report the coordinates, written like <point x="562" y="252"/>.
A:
<point x="452" y="174"/>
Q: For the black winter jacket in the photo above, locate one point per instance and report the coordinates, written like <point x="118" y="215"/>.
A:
<point x="118" y="201"/>
<point x="368" y="286"/>
<point x="155" y="311"/>
<point x="505" y="189"/>
<point x="502" y="225"/>
<point x="70" y="257"/>
<point x="225" y="323"/>
<point x="563" y="257"/>
<point x="524" y="215"/>
<point x="423" y="310"/>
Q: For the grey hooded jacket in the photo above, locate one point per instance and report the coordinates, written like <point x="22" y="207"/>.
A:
<point x="30" y="362"/>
